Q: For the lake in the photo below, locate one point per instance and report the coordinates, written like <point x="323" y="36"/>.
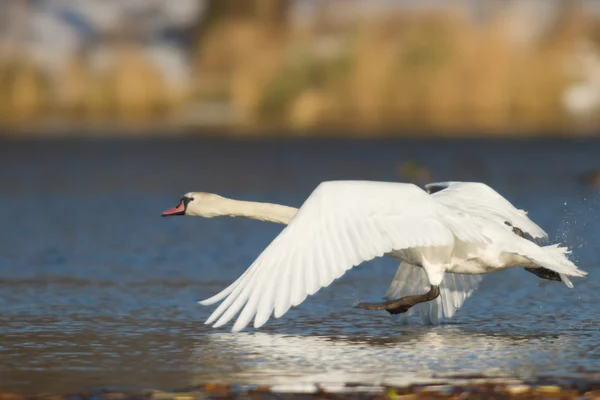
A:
<point x="97" y="290"/>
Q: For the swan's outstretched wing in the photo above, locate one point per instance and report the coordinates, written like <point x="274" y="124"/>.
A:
<point x="454" y="291"/>
<point x="479" y="200"/>
<point x="341" y="225"/>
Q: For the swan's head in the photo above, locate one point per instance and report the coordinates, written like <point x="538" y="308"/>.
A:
<point x="197" y="204"/>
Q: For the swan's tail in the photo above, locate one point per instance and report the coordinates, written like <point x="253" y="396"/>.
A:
<point x="454" y="290"/>
<point x="552" y="257"/>
<point x="560" y="255"/>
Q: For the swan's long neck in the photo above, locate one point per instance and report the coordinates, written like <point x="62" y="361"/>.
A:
<point x="255" y="210"/>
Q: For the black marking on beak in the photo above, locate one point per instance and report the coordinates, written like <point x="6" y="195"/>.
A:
<point x="186" y="200"/>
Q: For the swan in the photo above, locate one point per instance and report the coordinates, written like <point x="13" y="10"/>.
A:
<point x="445" y="236"/>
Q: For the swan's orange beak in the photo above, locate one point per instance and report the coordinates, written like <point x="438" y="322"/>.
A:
<point x="179" y="210"/>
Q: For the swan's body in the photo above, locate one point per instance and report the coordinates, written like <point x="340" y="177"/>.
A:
<point x="483" y="204"/>
<point x="345" y="223"/>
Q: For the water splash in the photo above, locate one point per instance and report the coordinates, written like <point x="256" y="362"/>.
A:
<point x="579" y="229"/>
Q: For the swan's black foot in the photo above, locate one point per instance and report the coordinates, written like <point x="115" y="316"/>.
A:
<point x="391" y="306"/>
<point x="402" y="304"/>
<point x="545" y="273"/>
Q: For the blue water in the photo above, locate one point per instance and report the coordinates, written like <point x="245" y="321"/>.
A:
<point x="97" y="290"/>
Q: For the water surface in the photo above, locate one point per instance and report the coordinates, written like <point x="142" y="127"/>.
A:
<point x="97" y="290"/>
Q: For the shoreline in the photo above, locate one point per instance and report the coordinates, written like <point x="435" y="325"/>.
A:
<point x="167" y="131"/>
<point x="467" y="387"/>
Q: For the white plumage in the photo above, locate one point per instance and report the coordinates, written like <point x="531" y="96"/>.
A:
<point x="478" y="201"/>
<point x="481" y="201"/>
<point x="445" y="239"/>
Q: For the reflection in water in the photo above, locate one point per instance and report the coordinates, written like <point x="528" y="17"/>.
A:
<point x="420" y="354"/>
<point x="67" y="353"/>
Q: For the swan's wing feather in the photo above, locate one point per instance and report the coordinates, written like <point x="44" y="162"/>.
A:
<point x="551" y="257"/>
<point x="480" y="200"/>
<point x="341" y="225"/>
<point x="454" y="291"/>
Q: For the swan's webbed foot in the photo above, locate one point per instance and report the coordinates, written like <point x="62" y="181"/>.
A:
<point x="545" y="273"/>
<point x="402" y="304"/>
<point x="392" y="306"/>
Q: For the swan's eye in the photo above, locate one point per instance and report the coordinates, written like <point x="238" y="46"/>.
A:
<point x="186" y="200"/>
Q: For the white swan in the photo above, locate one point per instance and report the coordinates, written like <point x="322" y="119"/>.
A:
<point x="345" y="223"/>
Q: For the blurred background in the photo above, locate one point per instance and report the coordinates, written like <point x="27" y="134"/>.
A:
<point x="300" y="67"/>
